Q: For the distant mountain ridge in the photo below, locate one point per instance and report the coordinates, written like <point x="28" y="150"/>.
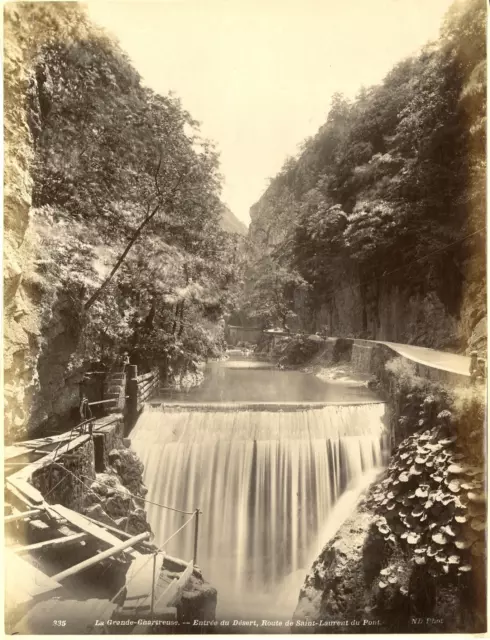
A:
<point x="231" y="224"/>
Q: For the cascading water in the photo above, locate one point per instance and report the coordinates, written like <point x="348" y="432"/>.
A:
<point x="265" y="479"/>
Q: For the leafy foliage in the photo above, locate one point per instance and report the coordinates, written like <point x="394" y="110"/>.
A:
<point x="392" y="177"/>
<point x="433" y="500"/>
<point x="127" y="204"/>
<point x="272" y="292"/>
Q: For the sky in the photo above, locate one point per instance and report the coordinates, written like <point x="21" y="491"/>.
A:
<point x="259" y="74"/>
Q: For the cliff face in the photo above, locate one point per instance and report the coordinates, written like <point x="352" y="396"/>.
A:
<point x="361" y="584"/>
<point x="87" y="146"/>
<point x="22" y="317"/>
<point x="379" y="311"/>
<point x="377" y="228"/>
<point x="40" y="334"/>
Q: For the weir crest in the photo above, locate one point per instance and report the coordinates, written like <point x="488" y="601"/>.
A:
<point x="265" y="476"/>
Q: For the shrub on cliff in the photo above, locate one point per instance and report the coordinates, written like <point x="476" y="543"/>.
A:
<point x="390" y="192"/>
<point x="414" y="548"/>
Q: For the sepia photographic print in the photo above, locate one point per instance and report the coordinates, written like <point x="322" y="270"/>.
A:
<point x="245" y="317"/>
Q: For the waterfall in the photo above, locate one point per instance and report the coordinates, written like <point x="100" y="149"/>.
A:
<point x="265" y="480"/>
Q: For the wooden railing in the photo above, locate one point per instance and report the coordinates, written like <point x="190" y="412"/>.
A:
<point x="146" y="384"/>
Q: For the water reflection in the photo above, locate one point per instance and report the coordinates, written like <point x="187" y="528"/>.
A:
<point x="242" y="379"/>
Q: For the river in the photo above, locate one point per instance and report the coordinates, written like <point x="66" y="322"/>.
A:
<point x="244" y="379"/>
<point x="273" y="459"/>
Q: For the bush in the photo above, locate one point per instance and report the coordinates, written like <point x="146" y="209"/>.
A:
<point x="405" y="375"/>
<point x="299" y="350"/>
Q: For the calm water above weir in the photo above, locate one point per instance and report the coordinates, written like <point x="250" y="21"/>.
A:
<point x="242" y="379"/>
<point x="274" y="460"/>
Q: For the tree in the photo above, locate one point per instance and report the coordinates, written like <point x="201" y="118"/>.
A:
<point x="392" y="183"/>
<point x="126" y="171"/>
<point x="270" y="292"/>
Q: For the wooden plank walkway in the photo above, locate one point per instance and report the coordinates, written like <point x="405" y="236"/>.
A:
<point x="140" y="583"/>
<point x="63" y="527"/>
<point x="49" y="442"/>
<point x="88" y="526"/>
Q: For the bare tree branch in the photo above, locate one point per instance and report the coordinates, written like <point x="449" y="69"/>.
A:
<point x="120" y="260"/>
<point x="132" y="241"/>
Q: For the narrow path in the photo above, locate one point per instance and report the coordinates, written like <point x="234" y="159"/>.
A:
<point x="450" y="362"/>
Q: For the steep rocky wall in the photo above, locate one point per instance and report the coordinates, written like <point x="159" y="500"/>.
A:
<point x="383" y="312"/>
<point x="22" y="322"/>
<point x="41" y="321"/>
<point x="360" y="305"/>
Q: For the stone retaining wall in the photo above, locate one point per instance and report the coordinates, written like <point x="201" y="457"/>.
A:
<point x="371" y="357"/>
<point x="64" y="488"/>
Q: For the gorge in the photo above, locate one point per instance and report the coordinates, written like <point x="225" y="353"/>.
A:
<point x="317" y="475"/>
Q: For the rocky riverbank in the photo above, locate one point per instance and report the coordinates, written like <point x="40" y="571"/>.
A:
<point x="116" y="496"/>
<point x="411" y="557"/>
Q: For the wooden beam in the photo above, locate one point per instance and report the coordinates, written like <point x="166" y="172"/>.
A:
<point x="91" y="404"/>
<point x="147" y="376"/>
<point x="18" y="495"/>
<point x="83" y="523"/>
<point x="51" y="544"/>
<point x="22" y="486"/>
<point x="81" y="566"/>
<point x="124" y="534"/>
<point x="181" y="583"/>
<point x="22" y="515"/>
<point x="183" y="563"/>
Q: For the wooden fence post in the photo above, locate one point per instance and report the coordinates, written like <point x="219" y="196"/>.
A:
<point x="153" y="585"/>
<point x="196" y="536"/>
<point x="132" y="394"/>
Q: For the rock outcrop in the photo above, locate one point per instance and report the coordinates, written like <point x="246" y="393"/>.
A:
<point x="411" y="557"/>
<point x="40" y="330"/>
<point x="116" y="496"/>
<point x="199" y="600"/>
<point x="21" y="329"/>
